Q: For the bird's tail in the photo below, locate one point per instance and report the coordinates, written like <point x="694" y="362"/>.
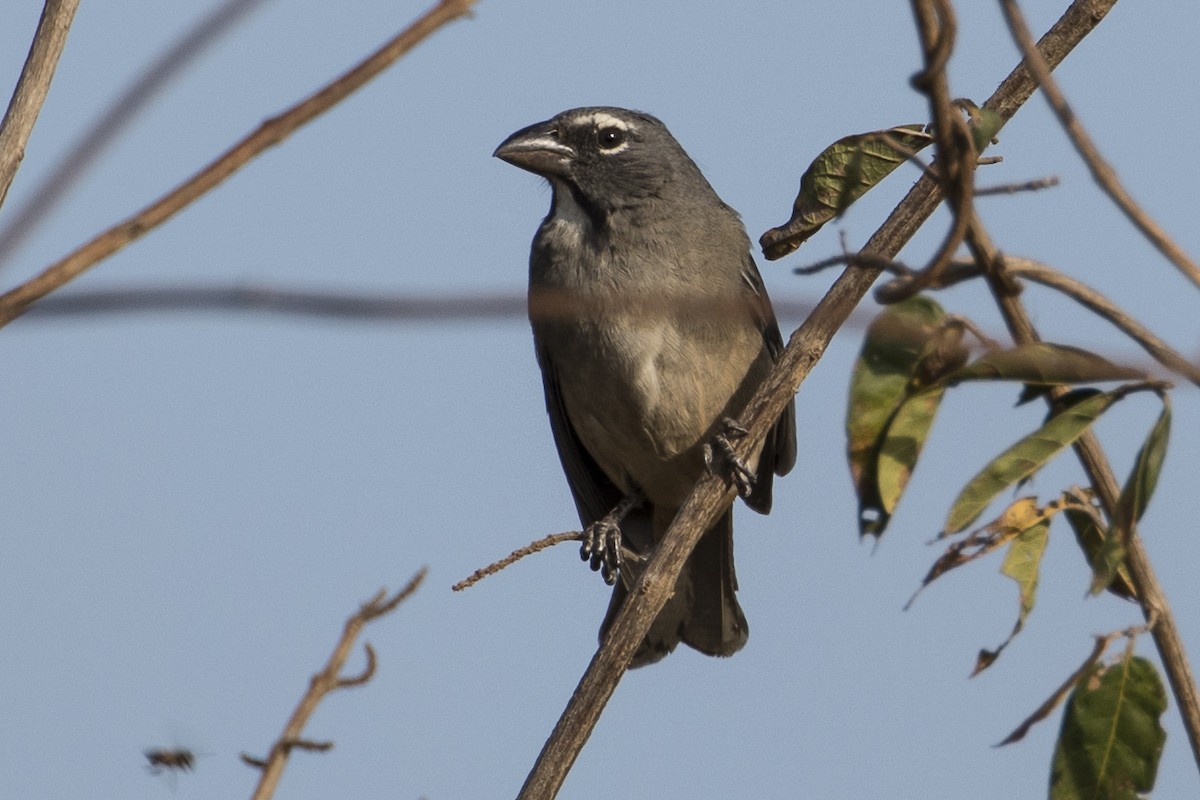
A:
<point x="703" y="612"/>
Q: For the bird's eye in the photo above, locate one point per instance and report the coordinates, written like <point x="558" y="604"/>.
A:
<point x="610" y="138"/>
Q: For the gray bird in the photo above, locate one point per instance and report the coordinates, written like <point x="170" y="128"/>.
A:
<point x="652" y="329"/>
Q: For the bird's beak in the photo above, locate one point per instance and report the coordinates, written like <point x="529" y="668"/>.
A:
<point x="537" y="149"/>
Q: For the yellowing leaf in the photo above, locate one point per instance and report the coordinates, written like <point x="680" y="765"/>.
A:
<point x="890" y="354"/>
<point x="1021" y="563"/>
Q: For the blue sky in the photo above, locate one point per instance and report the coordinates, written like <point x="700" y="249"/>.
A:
<point x="195" y="501"/>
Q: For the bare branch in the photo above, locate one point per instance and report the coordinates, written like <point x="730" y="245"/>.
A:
<point x="1034" y="185"/>
<point x="711" y="495"/>
<point x="1101" y="170"/>
<point x="515" y="556"/>
<point x="123" y="110"/>
<point x="1088" y="297"/>
<point x="324" y="682"/>
<point x="33" y="86"/>
<point x="271" y="132"/>
<point x="364" y="676"/>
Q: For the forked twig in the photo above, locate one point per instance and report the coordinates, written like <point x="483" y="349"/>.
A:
<point x="327" y="680"/>
<point x="1101" y="170"/>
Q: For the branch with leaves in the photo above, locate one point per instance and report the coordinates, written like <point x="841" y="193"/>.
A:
<point x="804" y="349"/>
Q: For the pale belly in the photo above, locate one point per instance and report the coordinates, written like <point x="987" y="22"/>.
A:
<point x="645" y="398"/>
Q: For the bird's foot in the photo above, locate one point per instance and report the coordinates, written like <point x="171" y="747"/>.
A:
<point x="720" y="458"/>
<point x="602" y="546"/>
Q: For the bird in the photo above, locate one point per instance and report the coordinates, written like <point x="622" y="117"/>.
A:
<point x="652" y="329"/>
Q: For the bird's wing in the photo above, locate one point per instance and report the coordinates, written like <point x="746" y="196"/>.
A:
<point x="779" y="450"/>
<point x="595" y="495"/>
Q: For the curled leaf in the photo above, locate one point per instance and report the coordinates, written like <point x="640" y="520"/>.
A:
<point x="1045" y="364"/>
<point x="1021" y="563"/>
<point x="1021" y="515"/>
<point x="890" y="353"/>
<point x="1108" y="572"/>
<point x="1143" y="478"/>
<point x="844" y="172"/>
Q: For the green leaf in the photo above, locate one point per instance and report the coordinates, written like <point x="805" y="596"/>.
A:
<point x="901" y="445"/>
<point x="844" y="172"/>
<point x="1024" y="458"/>
<point x="1106" y="573"/>
<point x="985" y="124"/>
<point x="890" y="353"/>
<point x="1111" y="736"/>
<point x="1042" y="363"/>
<point x="1143" y="479"/>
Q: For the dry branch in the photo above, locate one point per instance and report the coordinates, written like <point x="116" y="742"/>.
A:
<point x="327" y="680"/>
<point x="105" y="129"/>
<point x="32" y="87"/>
<point x="271" y="132"/>
<point x="1102" y="172"/>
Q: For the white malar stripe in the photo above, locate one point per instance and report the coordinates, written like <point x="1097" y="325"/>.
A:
<point x="571" y="220"/>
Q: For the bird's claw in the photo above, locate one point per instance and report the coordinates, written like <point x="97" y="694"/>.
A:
<point x="720" y="458"/>
<point x="601" y="548"/>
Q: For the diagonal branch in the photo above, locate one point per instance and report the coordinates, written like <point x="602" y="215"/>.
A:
<point x="327" y="680"/>
<point x="271" y="132"/>
<point x="710" y="496"/>
<point x="153" y="79"/>
<point x="33" y="86"/>
<point x="1102" y="172"/>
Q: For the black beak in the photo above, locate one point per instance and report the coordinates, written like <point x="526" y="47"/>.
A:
<point x="537" y="149"/>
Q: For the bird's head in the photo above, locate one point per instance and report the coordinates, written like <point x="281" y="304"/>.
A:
<point x="606" y="158"/>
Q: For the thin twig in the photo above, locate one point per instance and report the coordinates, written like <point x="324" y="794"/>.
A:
<point x="515" y="556"/>
<point x="33" y="86"/>
<point x="326" y="681"/>
<point x="712" y="495"/>
<point x="271" y="132"/>
<point x="1088" y="297"/>
<point x="1035" y="185"/>
<point x="116" y="118"/>
<point x="1101" y="170"/>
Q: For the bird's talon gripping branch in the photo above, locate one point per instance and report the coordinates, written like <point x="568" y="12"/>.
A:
<point x="601" y="546"/>
<point x="720" y="458"/>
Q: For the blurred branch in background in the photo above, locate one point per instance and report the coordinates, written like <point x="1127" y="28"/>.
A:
<point x="14" y="302"/>
<point x="137" y="96"/>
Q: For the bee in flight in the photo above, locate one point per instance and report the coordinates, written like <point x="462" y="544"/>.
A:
<point x="176" y="760"/>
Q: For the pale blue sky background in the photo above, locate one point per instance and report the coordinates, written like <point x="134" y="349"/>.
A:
<point x="194" y="502"/>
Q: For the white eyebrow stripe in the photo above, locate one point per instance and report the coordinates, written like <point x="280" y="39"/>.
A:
<point x="600" y="119"/>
